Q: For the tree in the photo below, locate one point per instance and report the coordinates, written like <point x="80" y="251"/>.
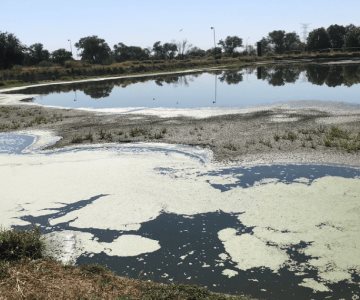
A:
<point x="94" y="50"/>
<point x="337" y="35"/>
<point x="266" y="46"/>
<point x="168" y="50"/>
<point x="36" y="54"/>
<point x="230" y="44"/>
<point x="158" y="50"/>
<point x="196" y="52"/>
<point x="182" y="48"/>
<point x="60" y="56"/>
<point x="123" y="53"/>
<point x="292" y="42"/>
<point x="277" y="39"/>
<point x="279" y="42"/>
<point x="352" y="38"/>
<point x="11" y="50"/>
<point x="216" y="52"/>
<point x="318" y="39"/>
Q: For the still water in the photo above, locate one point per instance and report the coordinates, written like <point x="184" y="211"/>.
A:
<point x="236" y="88"/>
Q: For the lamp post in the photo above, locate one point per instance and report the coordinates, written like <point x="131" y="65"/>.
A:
<point x="247" y="45"/>
<point x="70" y="47"/>
<point x="213" y="29"/>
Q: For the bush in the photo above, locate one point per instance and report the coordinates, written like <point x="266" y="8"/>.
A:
<point x="4" y="269"/>
<point x="17" y="245"/>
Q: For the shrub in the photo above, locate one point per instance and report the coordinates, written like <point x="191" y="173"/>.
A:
<point x="230" y="146"/>
<point x="17" y="245"/>
<point x="134" y="132"/>
<point x="336" y="132"/>
<point x="4" y="269"/>
<point x="76" y="140"/>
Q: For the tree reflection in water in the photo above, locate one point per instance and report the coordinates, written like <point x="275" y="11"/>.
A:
<point x="329" y="75"/>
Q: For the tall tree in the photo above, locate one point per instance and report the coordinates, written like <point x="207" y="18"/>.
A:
<point x="158" y="50"/>
<point x="265" y="45"/>
<point x="230" y="44"/>
<point x="277" y="39"/>
<point x="94" y="49"/>
<point x="166" y="51"/>
<point x="352" y="38"/>
<point x="183" y="47"/>
<point x="170" y="50"/>
<point x="36" y="54"/>
<point x="11" y="50"/>
<point x="318" y="39"/>
<point x="292" y="42"/>
<point x="337" y="35"/>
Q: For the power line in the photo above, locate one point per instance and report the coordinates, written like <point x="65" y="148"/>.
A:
<point x="305" y="27"/>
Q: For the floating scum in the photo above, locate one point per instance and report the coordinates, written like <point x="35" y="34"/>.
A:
<point x="129" y="188"/>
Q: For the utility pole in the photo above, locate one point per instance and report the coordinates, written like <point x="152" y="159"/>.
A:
<point x="213" y="29"/>
<point x="70" y="47"/>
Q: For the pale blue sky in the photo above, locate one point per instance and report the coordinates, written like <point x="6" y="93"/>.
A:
<point x="142" y="22"/>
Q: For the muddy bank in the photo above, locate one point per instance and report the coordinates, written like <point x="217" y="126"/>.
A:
<point x="310" y="133"/>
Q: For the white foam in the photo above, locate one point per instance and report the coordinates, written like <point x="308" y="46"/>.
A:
<point x="281" y="214"/>
<point x="249" y="252"/>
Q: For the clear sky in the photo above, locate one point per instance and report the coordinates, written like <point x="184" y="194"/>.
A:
<point x="142" y="22"/>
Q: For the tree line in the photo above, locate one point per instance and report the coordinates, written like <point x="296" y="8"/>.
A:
<point x="95" y="50"/>
<point x="335" y="37"/>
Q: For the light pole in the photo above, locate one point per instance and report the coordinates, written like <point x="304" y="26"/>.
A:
<point x="70" y="47"/>
<point x="213" y="29"/>
<point x="247" y="45"/>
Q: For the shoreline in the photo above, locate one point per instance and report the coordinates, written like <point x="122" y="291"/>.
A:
<point x="284" y="132"/>
<point x="269" y="136"/>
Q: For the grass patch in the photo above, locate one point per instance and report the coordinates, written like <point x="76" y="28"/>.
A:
<point x="182" y="291"/>
<point x="16" y="245"/>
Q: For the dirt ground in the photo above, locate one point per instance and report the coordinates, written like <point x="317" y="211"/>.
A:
<point x="264" y="136"/>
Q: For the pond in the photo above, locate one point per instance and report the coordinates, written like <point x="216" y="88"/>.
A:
<point x="14" y="143"/>
<point x="234" y="88"/>
<point x="166" y="213"/>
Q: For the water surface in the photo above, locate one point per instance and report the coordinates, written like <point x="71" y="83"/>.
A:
<point x="230" y="88"/>
<point x="14" y="143"/>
